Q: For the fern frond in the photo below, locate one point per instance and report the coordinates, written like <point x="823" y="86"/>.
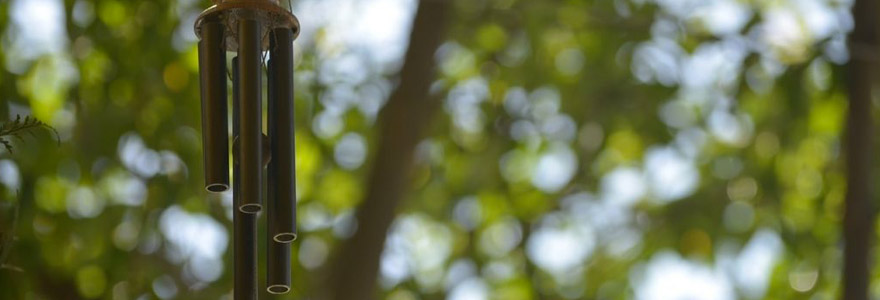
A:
<point x="6" y="144"/>
<point x="19" y="126"/>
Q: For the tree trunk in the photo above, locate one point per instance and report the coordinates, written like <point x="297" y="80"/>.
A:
<point x="403" y="121"/>
<point x="858" y="230"/>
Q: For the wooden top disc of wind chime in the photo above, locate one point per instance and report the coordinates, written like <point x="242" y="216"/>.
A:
<point x="230" y="12"/>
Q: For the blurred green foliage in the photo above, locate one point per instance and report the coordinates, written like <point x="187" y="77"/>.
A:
<point x="580" y="142"/>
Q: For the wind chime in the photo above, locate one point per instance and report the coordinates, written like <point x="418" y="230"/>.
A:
<point x="250" y="29"/>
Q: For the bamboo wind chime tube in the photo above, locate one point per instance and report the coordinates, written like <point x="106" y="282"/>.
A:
<point x="215" y="139"/>
<point x="278" y="267"/>
<point x="244" y="224"/>
<point x="250" y="140"/>
<point x="281" y="204"/>
<point x="282" y="226"/>
<point x="276" y="280"/>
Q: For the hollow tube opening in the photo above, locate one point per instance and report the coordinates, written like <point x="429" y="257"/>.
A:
<point x="286" y="237"/>
<point x="217" y="188"/>
<point x="278" y="289"/>
<point x="250" y="208"/>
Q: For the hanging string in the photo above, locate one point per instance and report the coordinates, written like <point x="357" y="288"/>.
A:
<point x="226" y="42"/>
<point x="265" y="37"/>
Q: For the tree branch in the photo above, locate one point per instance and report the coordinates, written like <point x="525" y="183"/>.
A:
<point x="858" y="227"/>
<point x="402" y="124"/>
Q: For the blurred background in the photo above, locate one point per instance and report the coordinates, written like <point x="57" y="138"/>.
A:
<point x="617" y="149"/>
